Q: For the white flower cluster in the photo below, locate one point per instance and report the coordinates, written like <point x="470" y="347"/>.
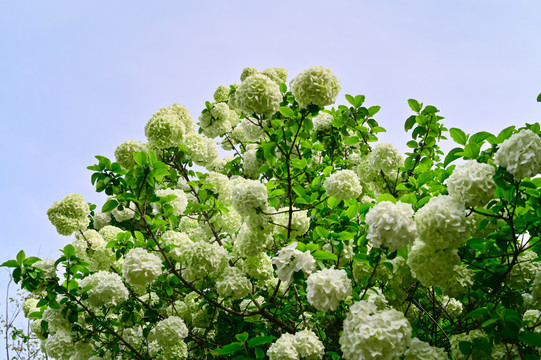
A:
<point x="472" y="183"/>
<point x="92" y="248"/>
<point x="441" y="223"/>
<point x="124" y="214"/>
<point x="229" y="222"/>
<point x="385" y="157"/>
<point x="222" y="93"/>
<point x="124" y="153"/>
<point x="322" y="121"/>
<point x="304" y="345"/>
<point x="178" y="241"/>
<point x="247" y="131"/>
<point x="249" y="196"/>
<point x="391" y="225"/>
<point x="218" y="121"/>
<point x="47" y="268"/>
<point x="250" y="162"/>
<point x="451" y="306"/>
<point x="170" y="331"/>
<point x="420" y="350"/>
<point x="520" y="154"/>
<point x="372" y="334"/>
<point x="179" y="204"/>
<point x="141" y="268"/>
<point x="254" y="236"/>
<point x="258" y="94"/>
<point x="169" y="126"/>
<point x="459" y="283"/>
<point x="203" y="259"/>
<point x="222" y="186"/>
<point x="101" y="219"/>
<point x="258" y="267"/>
<point x="69" y="214"/>
<point x="300" y="222"/>
<point x="343" y="185"/>
<point x="315" y="86"/>
<point x="59" y="345"/>
<point x="29" y="306"/>
<point x="202" y="150"/>
<point x="290" y="260"/>
<point x="233" y="283"/>
<point x="326" y="288"/>
<point x="524" y="270"/>
<point x="432" y="267"/>
<point x="107" y="289"/>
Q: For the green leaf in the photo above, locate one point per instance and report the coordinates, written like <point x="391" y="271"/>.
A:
<point x="260" y="340"/>
<point x="109" y="205"/>
<point x="465" y="347"/>
<point x="386" y="197"/>
<point x="414" y="105"/>
<point x="359" y="100"/>
<point x="378" y="129"/>
<point x="21" y="256"/>
<point x="352" y="140"/>
<point x="452" y="156"/>
<point x="287" y="112"/>
<point x="283" y="87"/>
<point x="458" y="136"/>
<point x="11" y="263"/>
<point x="408" y="125"/>
<point x="242" y="337"/>
<point x="539" y="97"/>
<point x="69" y="250"/>
<point x="350" y="99"/>
<point x="530" y="338"/>
<point x="140" y="157"/>
<point x="324" y="255"/>
<point x="229" y="349"/>
<point x="481" y="136"/>
<point x="373" y="110"/>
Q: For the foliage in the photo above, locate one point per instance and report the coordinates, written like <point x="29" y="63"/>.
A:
<point x="254" y="257"/>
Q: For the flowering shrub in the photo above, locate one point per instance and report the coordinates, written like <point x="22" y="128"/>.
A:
<point x="309" y="240"/>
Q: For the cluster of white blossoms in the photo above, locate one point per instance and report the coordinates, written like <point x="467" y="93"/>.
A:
<point x="343" y="185"/>
<point x="322" y="121"/>
<point x="127" y="212"/>
<point x="250" y="162"/>
<point x="420" y="350"/>
<point x="432" y="267"/>
<point x="290" y="260"/>
<point x="315" y="86"/>
<point x="29" y="306"/>
<point x="303" y="345"/>
<point x="141" y="268"/>
<point x="203" y="259"/>
<point x="60" y="345"/>
<point x="472" y="183"/>
<point x="524" y="270"/>
<point x="107" y="289"/>
<point x="219" y="120"/>
<point x="442" y="222"/>
<point x="233" y="283"/>
<point x="179" y="204"/>
<point x="168" y="127"/>
<point x="452" y="307"/>
<point x="460" y="281"/>
<point x="326" y="288"/>
<point x="202" y="150"/>
<point x="47" y="267"/>
<point x="249" y="196"/>
<point x="258" y="94"/>
<point x="520" y="155"/>
<point x="259" y="267"/>
<point x="222" y="93"/>
<point x="69" y="214"/>
<point x="300" y="222"/>
<point x="391" y="225"/>
<point x="124" y="153"/>
<point x="222" y="186"/>
<point x="101" y="219"/>
<point x="385" y="157"/>
<point x="372" y="334"/>
<point x="170" y="331"/>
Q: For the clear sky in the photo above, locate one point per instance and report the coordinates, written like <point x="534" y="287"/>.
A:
<point x="80" y="77"/>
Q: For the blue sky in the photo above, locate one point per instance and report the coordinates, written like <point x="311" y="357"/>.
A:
<point x="78" y="78"/>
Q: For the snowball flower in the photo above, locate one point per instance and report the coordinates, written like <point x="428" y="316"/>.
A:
<point x="60" y="345"/>
<point x="107" y="289"/>
<point x="170" y="331"/>
<point x="101" y="219"/>
<point x="203" y="259"/>
<point x="222" y="185"/>
<point x="47" y="268"/>
<point x="391" y="225"/>
<point x="202" y="150"/>
<point x="250" y="162"/>
<point x="278" y="75"/>
<point x="179" y="204"/>
<point x="259" y="266"/>
<point x="69" y="214"/>
<point x="459" y="283"/>
<point x="29" y="306"/>
<point x="258" y="95"/>
<point x="248" y="71"/>
<point x="472" y="183"/>
<point x="124" y="214"/>
<point x="322" y="121"/>
<point x="124" y="153"/>
<point x="283" y="348"/>
<point x="168" y="126"/>
<point x="343" y="185"/>
<point x="308" y="345"/>
<point x="315" y="86"/>
<point x="233" y="283"/>
<point x="372" y="334"/>
<point x="248" y="197"/>
<point x="326" y="288"/>
<point x="520" y="154"/>
<point x="300" y="222"/>
<point x="385" y="157"/>
<point x="420" y="350"/>
<point x="432" y="267"/>
<point x="218" y="121"/>
<point x="442" y="222"/>
<point x="141" y="268"/>
<point x="290" y="260"/>
<point x="222" y="93"/>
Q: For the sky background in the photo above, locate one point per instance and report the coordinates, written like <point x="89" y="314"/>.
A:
<point x="80" y="77"/>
